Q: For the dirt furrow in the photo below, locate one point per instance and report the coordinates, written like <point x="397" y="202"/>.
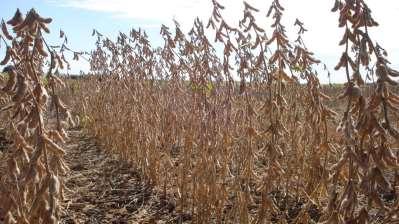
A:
<point x="104" y="189"/>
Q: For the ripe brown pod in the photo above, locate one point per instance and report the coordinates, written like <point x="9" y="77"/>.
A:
<point x="336" y="6"/>
<point x="44" y="20"/>
<point x="343" y="61"/>
<point x="44" y="27"/>
<point x="40" y="48"/>
<point x="17" y="19"/>
<point x="41" y="94"/>
<point x="352" y="91"/>
<point x="21" y="90"/>
<point x="11" y="81"/>
<point x="54" y="186"/>
<point x="55" y="148"/>
<point x="5" y="31"/>
<point x="54" y="134"/>
<point x="59" y="61"/>
<point x="7" y="57"/>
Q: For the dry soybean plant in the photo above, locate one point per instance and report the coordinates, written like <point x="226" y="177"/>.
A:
<point x="367" y="158"/>
<point x="247" y="136"/>
<point x="32" y="187"/>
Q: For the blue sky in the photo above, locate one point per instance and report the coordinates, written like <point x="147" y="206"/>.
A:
<point x="78" y="17"/>
<point x="76" y="23"/>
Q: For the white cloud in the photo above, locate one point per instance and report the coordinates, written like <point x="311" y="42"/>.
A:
<point x="315" y="13"/>
<point x="152" y="10"/>
<point x="322" y="38"/>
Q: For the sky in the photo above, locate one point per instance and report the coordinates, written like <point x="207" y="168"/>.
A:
<point x="77" y="18"/>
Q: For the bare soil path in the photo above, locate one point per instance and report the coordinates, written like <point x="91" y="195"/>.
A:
<point x="104" y="189"/>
